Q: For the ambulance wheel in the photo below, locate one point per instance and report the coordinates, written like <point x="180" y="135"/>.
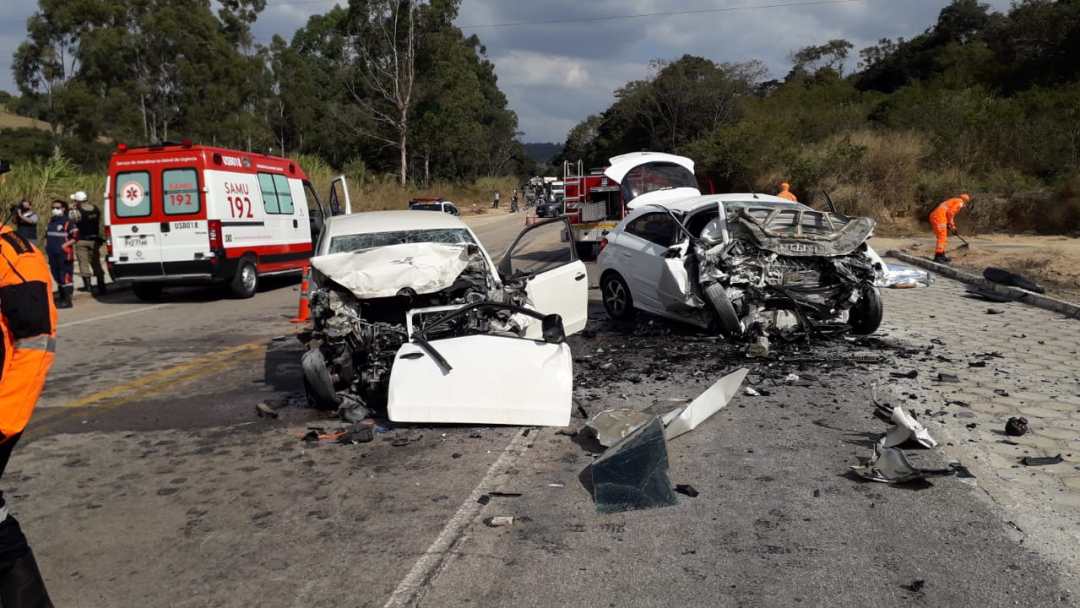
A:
<point x="147" y="292"/>
<point x="245" y="281"/>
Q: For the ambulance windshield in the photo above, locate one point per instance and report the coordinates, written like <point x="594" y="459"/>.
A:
<point x="359" y="242"/>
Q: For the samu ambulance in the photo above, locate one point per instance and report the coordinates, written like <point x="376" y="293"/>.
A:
<point x="181" y="214"/>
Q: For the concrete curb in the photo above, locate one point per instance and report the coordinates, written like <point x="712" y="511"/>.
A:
<point x="1021" y="295"/>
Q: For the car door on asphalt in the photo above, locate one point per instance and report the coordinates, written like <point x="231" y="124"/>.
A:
<point x="641" y="249"/>
<point x="557" y="280"/>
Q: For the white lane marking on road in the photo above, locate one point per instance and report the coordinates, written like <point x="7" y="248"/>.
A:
<point x="112" y="316"/>
<point x="410" y="589"/>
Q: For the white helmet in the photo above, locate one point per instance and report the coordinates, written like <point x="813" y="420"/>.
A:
<point x="79" y="197"/>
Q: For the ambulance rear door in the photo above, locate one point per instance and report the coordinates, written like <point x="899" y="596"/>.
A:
<point x="136" y="236"/>
<point x="185" y="244"/>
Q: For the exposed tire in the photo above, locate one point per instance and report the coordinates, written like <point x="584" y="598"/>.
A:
<point x="618" y="302"/>
<point x="246" y="280"/>
<point x="726" y="317"/>
<point x="865" y="316"/>
<point x="318" y="384"/>
<point x="147" y="292"/>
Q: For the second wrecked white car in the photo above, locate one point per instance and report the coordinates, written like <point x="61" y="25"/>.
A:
<point x="748" y="265"/>
<point x="409" y="310"/>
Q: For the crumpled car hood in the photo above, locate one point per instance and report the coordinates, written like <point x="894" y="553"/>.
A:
<point x="844" y="240"/>
<point x="383" y="272"/>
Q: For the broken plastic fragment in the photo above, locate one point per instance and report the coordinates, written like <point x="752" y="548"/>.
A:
<point x="1016" y="427"/>
<point x="889" y="465"/>
<point x="907" y="428"/>
<point x="750" y="391"/>
<point x="706" y="404"/>
<point x="611" y="425"/>
<point x="633" y="474"/>
<point x="499" y="521"/>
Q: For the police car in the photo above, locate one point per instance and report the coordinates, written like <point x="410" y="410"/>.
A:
<point x="181" y="214"/>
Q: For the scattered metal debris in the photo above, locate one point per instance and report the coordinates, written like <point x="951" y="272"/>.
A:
<point x="1040" y="461"/>
<point x="611" y="425"/>
<point x="890" y="465"/>
<point x="686" y="490"/>
<point x="907" y="428"/>
<point x="706" y="404"/>
<point x="1016" y="427"/>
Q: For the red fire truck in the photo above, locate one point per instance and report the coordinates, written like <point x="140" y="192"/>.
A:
<point x="593" y="204"/>
<point x="596" y="201"/>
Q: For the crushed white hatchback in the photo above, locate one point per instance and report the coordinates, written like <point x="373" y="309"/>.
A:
<point x="410" y="311"/>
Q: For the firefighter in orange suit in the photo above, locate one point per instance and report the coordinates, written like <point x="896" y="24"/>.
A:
<point x="28" y="325"/>
<point x="785" y="192"/>
<point x="943" y="219"/>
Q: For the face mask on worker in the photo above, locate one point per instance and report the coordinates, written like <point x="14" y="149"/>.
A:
<point x="57" y="212"/>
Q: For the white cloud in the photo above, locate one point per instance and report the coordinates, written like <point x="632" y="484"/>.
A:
<point x="555" y="75"/>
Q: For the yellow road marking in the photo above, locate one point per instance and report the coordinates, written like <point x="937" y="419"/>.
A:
<point x="157" y="382"/>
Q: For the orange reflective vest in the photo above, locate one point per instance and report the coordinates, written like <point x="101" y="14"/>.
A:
<point x="945" y="213"/>
<point x="28" y="328"/>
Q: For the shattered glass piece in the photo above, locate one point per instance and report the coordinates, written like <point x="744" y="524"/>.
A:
<point x="890" y="465"/>
<point x="907" y="428"/>
<point x="633" y="474"/>
<point x="706" y="404"/>
<point x="611" y="425"/>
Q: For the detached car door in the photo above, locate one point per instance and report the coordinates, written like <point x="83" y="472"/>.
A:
<point x="556" y="280"/>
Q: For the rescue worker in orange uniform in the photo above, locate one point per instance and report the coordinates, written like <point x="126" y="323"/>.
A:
<point x="943" y="219"/>
<point x="28" y="325"/>
<point x="785" y="192"/>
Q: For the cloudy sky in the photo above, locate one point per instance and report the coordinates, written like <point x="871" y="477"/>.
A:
<point x="557" y="73"/>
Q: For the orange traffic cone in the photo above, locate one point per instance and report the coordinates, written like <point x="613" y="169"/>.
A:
<point x="303" y="312"/>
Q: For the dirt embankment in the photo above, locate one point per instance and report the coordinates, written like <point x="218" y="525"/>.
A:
<point x="1053" y="261"/>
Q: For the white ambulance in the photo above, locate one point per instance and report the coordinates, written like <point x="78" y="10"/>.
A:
<point x="181" y="214"/>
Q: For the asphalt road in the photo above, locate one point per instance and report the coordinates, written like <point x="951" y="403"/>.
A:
<point x="146" y="479"/>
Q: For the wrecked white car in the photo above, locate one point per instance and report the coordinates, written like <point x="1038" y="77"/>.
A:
<point x="746" y="265"/>
<point x="409" y="311"/>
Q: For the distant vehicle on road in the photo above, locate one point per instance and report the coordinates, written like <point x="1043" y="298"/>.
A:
<point x="550" y="208"/>
<point x="181" y="214"/>
<point x="433" y="204"/>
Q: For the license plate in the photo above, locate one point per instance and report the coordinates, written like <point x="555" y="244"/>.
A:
<point x="135" y="241"/>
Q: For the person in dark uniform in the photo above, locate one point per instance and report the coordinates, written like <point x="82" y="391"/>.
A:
<point x="88" y="248"/>
<point x="60" y="238"/>
<point x="26" y="221"/>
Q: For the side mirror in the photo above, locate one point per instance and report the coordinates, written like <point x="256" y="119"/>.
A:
<point x="553" y="330"/>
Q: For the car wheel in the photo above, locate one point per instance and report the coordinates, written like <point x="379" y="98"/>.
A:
<point x="865" y="316"/>
<point x="147" y="292"/>
<point x="726" y="318"/>
<point x="245" y="281"/>
<point x="617" y="299"/>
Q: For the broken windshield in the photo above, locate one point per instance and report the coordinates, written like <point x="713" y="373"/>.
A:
<point x="370" y="240"/>
<point x="651" y="177"/>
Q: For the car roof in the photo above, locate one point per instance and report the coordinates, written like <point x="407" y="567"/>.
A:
<point x="389" y="221"/>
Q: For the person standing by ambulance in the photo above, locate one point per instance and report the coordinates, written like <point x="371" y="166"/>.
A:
<point x="26" y="221"/>
<point x="60" y="238"/>
<point x="88" y="248"/>
<point x="27" y="344"/>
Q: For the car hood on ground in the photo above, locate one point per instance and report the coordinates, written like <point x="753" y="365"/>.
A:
<point x="386" y="271"/>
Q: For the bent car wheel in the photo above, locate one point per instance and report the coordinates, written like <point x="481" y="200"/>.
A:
<point x="726" y="317"/>
<point x="245" y="281"/>
<point x="617" y="299"/>
<point x="865" y="316"/>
